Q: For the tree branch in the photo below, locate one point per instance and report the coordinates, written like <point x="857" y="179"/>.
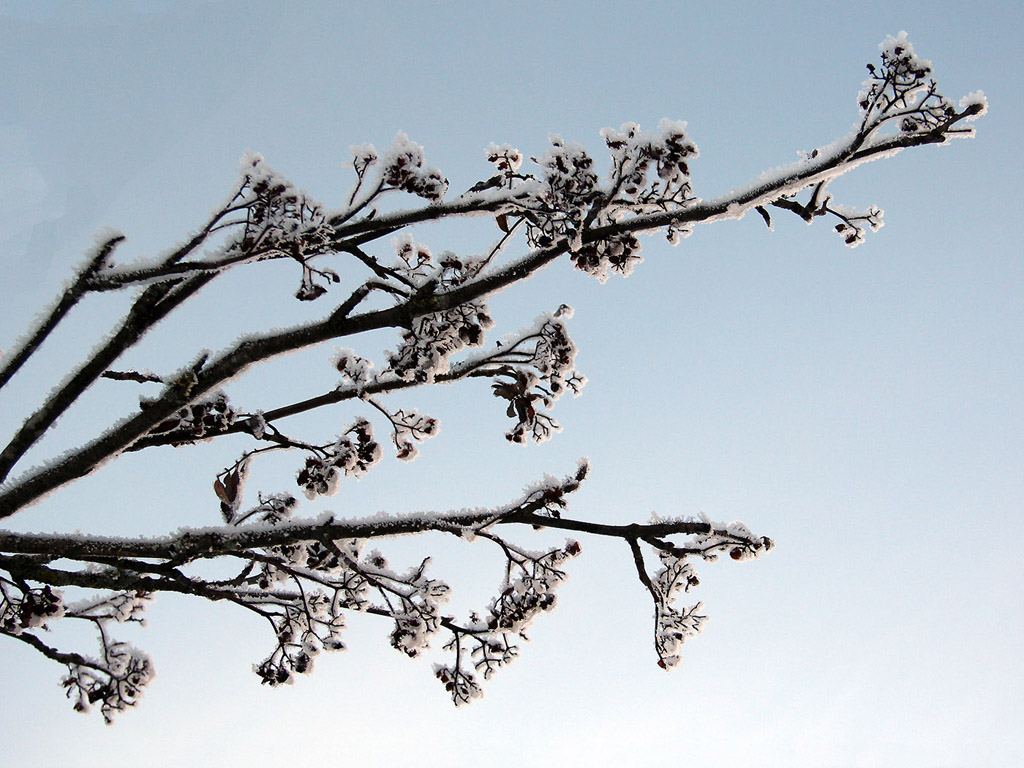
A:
<point x="68" y="300"/>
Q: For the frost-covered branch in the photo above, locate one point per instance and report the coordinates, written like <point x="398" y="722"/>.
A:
<point x="73" y="293"/>
<point x="364" y="263"/>
<point x="304" y="577"/>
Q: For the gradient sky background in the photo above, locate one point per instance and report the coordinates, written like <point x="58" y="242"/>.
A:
<point x="864" y="408"/>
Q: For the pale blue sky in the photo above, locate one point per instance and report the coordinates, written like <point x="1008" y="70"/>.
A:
<point x="864" y="408"/>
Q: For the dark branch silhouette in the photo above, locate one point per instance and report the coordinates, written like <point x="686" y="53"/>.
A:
<point x="304" y="576"/>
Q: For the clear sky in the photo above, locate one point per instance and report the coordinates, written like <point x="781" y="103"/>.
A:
<point x="862" y="407"/>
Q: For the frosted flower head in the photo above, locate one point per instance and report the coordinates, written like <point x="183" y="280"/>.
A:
<point x="505" y="157"/>
<point x="900" y="49"/>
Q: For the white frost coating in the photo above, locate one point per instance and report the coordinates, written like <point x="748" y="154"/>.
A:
<point x="736" y="210"/>
<point x="893" y="46"/>
<point x="668" y="127"/>
<point x="402" y="146"/>
<point x="356" y="370"/>
<point x="773" y="176"/>
<point x="547" y="481"/>
<point x="737" y="528"/>
<point x="403" y="168"/>
<point x="507" y="158"/>
<point x="974" y="98"/>
<point x="100" y="239"/>
<point x="258" y="425"/>
<point x="363" y="155"/>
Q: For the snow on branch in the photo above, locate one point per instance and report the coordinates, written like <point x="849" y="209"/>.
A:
<point x="361" y="262"/>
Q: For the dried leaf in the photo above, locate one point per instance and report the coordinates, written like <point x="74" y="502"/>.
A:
<point x="221" y="491"/>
